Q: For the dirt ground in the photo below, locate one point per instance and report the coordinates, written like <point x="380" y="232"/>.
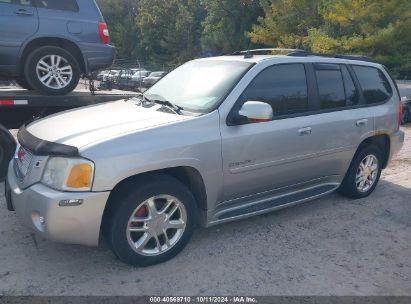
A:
<point x="330" y="246"/>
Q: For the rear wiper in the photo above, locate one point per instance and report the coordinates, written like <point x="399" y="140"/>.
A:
<point x="177" y="109"/>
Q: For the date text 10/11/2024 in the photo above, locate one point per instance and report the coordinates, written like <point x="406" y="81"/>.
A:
<point x="204" y="299"/>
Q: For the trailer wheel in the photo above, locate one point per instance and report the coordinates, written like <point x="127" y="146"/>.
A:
<point x="7" y="147"/>
<point x="52" y="70"/>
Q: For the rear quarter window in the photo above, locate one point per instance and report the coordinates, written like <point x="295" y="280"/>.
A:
<point x="62" y="5"/>
<point x="375" y="86"/>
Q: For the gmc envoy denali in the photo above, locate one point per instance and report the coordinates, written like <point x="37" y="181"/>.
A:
<point x="217" y="139"/>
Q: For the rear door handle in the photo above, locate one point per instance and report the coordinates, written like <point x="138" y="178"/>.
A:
<point x="361" y="122"/>
<point x="23" y="12"/>
<point x="305" y="131"/>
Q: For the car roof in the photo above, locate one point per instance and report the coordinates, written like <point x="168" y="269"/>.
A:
<point x="290" y="59"/>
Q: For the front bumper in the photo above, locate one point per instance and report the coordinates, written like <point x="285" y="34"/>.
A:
<point x="39" y="208"/>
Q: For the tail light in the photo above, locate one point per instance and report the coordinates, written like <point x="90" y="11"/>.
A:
<point x="400" y="115"/>
<point x="103" y="33"/>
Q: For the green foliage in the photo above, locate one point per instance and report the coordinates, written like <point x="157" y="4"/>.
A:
<point x="286" y="22"/>
<point x="375" y="28"/>
<point x="226" y="23"/>
<point x="173" y="31"/>
<point x="170" y="30"/>
<point x="120" y="16"/>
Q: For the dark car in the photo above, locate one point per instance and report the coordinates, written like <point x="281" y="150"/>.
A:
<point x="153" y="78"/>
<point x="47" y="45"/>
<point x="133" y="82"/>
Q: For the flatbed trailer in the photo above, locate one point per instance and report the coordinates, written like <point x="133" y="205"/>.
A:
<point x="20" y="106"/>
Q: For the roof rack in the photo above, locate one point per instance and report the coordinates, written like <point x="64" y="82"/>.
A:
<point x="266" y="51"/>
<point x="339" y="56"/>
<point x="298" y="53"/>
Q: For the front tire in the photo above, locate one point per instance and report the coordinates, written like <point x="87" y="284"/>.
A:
<point x="52" y="70"/>
<point x="151" y="222"/>
<point x="364" y="172"/>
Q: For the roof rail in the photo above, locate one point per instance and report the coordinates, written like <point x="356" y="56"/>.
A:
<point x="340" y="56"/>
<point x="298" y="53"/>
<point x="266" y="51"/>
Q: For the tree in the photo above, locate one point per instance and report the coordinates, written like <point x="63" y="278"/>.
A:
<point x="170" y="30"/>
<point x="120" y="17"/>
<point x="377" y="28"/>
<point x="286" y="22"/>
<point x="226" y="23"/>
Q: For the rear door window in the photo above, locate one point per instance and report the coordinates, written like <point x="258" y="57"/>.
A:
<point x="374" y="84"/>
<point x="62" y="5"/>
<point x="351" y="91"/>
<point x="284" y="87"/>
<point x="330" y="86"/>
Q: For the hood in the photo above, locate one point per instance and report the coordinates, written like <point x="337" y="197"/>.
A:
<point x="84" y="126"/>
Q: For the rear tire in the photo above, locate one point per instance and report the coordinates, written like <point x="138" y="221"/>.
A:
<point x="133" y="209"/>
<point x="361" y="179"/>
<point x="52" y="70"/>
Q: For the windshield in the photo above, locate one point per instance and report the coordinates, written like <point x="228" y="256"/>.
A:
<point x="198" y="86"/>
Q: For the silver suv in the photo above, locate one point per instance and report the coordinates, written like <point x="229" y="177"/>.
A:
<point x="216" y="140"/>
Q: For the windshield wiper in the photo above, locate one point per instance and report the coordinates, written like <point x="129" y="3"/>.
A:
<point x="177" y="109"/>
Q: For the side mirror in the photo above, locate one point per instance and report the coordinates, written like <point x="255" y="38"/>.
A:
<point x="254" y="112"/>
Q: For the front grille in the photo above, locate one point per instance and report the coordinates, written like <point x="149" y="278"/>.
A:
<point x="23" y="160"/>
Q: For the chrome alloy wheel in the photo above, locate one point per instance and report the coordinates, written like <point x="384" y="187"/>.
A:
<point x="367" y="173"/>
<point x="54" y="71"/>
<point x="156" y="225"/>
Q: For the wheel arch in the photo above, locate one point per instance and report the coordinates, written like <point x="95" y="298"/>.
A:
<point x="187" y="175"/>
<point x="382" y="141"/>
<point x="64" y="43"/>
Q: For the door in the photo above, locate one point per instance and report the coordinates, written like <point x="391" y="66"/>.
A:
<point x="341" y="122"/>
<point x="268" y="155"/>
<point x="18" y="22"/>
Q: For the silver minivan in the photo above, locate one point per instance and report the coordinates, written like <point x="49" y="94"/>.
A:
<point x="217" y="139"/>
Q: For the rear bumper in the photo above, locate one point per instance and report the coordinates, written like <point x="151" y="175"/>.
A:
<point x="396" y="143"/>
<point x="38" y="207"/>
<point x="97" y="56"/>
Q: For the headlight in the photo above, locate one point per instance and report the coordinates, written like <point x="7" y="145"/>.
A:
<point x="68" y="174"/>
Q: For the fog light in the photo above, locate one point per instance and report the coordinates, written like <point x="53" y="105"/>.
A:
<point x="70" y="203"/>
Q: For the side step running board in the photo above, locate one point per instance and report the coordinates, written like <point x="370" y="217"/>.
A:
<point x="276" y="203"/>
